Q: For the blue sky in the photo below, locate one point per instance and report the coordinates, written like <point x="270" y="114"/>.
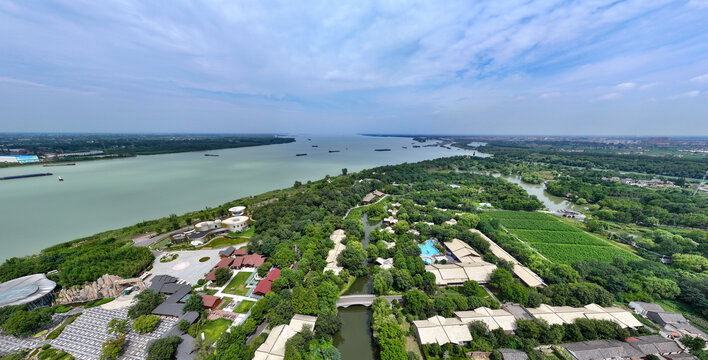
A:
<point x="496" y="67"/>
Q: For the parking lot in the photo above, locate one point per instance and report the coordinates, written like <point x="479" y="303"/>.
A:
<point x="83" y="338"/>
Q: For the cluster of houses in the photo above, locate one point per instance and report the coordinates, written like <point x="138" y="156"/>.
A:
<point x="641" y="183"/>
<point x="370" y="197"/>
<point x="471" y="266"/>
<point x="674" y="325"/>
<point x="237" y="222"/>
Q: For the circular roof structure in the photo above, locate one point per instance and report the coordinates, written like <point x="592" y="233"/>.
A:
<point x="237" y="209"/>
<point x="235" y="220"/>
<point x="25" y="289"/>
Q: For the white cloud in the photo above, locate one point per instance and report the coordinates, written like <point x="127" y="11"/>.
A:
<point x="626" y="85"/>
<point x="549" y="95"/>
<point x="700" y="78"/>
<point x="687" y="94"/>
<point x="610" y="96"/>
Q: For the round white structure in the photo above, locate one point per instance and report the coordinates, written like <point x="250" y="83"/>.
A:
<point x="207" y="225"/>
<point x="34" y="290"/>
<point x="236" y="223"/>
<point x="237" y="210"/>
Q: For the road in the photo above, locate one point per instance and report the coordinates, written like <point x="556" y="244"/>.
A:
<point x="358" y="206"/>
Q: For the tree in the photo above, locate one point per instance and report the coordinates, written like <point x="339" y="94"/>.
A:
<point x="183" y="325"/>
<point x="469" y="288"/>
<point x="694" y="343"/>
<point x="21" y="322"/>
<point x="164" y="348"/>
<point x="327" y="325"/>
<point x="145" y="323"/>
<point x="304" y="301"/>
<point x="353" y="258"/>
<point x="193" y="303"/>
<point x="344" y="171"/>
<point x="222" y="276"/>
<point x="145" y="302"/>
<point x="118" y="326"/>
<point x="381" y="282"/>
<point x="112" y="348"/>
<point x="284" y="256"/>
<point x="264" y="269"/>
<point x="414" y="301"/>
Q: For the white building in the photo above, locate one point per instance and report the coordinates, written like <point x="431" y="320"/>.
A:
<point x="237" y="210"/>
<point x="19" y="159"/>
<point x="236" y="224"/>
<point x="440" y="330"/>
<point x="207" y="225"/>
<point x="274" y="346"/>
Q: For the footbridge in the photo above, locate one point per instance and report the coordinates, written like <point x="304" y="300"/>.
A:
<point x="362" y="300"/>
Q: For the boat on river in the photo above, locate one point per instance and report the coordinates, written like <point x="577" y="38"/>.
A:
<point x="25" y="176"/>
<point x="303" y="154"/>
<point x="382" y="149"/>
<point x="64" y="164"/>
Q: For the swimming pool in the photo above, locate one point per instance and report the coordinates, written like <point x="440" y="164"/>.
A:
<point x="427" y="251"/>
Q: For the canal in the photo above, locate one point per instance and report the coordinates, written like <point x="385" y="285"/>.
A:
<point x="355" y="340"/>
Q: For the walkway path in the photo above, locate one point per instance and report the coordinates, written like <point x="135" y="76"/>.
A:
<point x="363" y="300"/>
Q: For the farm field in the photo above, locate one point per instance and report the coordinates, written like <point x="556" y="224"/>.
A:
<point x="556" y="240"/>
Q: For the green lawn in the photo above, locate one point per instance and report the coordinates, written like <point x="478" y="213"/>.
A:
<point x="237" y="286"/>
<point x="244" y="306"/>
<point x="224" y="302"/>
<point x="213" y="329"/>
<point x="248" y="233"/>
<point x="223" y="242"/>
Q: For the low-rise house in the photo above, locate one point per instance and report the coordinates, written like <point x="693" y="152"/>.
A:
<point x="378" y="193"/>
<point x="462" y="251"/>
<point x="451" y="222"/>
<point x="178" y="293"/>
<point x="264" y="285"/>
<point x="526" y="275"/>
<point x="248" y="261"/>
<point x="368" y="198"/>
<point x="389" y="221"/>
<point x="513" y="354"/>
<point x="601" y="350"/>
<point x="384" y="263"/>
<point x="642" y="308"/>
<point x="227" y="252"/>
<point x="654" y="345"/>
<point x="567" y="314"/>
<point x="211" y="302"/>
<point x="440" y="330"/>
<point x="456" y="274"/>
<point x="274" y="346"/>
<point x="493" y="318"/>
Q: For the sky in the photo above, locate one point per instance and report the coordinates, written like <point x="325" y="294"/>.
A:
<point x="592" y="67"/>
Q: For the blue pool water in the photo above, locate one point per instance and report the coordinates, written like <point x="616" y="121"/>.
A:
<point x="427" y="251"/>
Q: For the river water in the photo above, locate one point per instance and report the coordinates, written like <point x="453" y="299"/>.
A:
<point x="100" y="195"/>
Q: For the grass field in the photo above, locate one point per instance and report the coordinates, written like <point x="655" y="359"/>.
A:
<point x="244" y="306"/>
<point x="237" y="286"/>
<point x="556" y="240"/>
<point x="223" y="242"/>
<point x="213" y="329"/>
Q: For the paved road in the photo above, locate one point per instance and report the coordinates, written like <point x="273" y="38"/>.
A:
<point x="155" y="239"/>
<point x="358" y="206"/>
<point x="364" y="300"/>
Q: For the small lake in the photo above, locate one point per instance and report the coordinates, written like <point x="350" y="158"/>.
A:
<point x="551" y="202"/>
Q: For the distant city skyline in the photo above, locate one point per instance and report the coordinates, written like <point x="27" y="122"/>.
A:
<point x="601" y="68"/>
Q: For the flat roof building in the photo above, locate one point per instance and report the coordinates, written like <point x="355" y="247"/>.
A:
<point x="493" y="318"/>
<point x="440" y="330"/>
<point x="567" y="314"/>
<point x="462" y="251"/>
<point x="456" y="274"/>
<point x="526" y="275"/>
<point x="274" y="346"/>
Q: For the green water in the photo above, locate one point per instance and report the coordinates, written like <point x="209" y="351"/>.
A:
<point x="106" y="194"/>
<point x="355" y="340"/>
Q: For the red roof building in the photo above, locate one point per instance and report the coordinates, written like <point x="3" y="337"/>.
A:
<point x="211" y="276"/>
<point x="224" y="263"/>
<point x="253" y="260"/>
<point x="263" y="286"/>
<point x="210" y="301"/>
<point x="240" y="252"/>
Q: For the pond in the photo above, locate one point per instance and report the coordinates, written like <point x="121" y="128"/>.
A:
<point x="551" y="202"/>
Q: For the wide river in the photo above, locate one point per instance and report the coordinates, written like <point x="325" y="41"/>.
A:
<point x="100" y="195"/>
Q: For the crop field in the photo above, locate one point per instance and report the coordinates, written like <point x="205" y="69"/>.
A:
<point x="556" y="240"/>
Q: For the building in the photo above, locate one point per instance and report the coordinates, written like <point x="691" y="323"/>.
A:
<point x="567" y="314"/>
<point x="568" y="213"/>
<point x="237" y="210"/>
<point x="378" y="193"/>
<point x="274" y="346"/>
<point x="384" y="263"/>
<point x="227" y="252"/>
<point x="642" y="308"/>
<point x="601" y="350"/>
<point x="31" y="290"/>
<point x="179" y="238"/>
<point x="211" y="302"/>
<point x="236" y="224"/>
<point x="462" y="251"/>
<point x="248" y="261"/>
<point x="456" y="274"/>
<point x="493" y="318"/>
<point x="513" y="354"/>
<point x="336" y="237"/>
<point x="263" y="286"/>
<point x="19" y="159"/>
<point x="368" y="198"/>
<point x="440" y="330"/>
<point x="389" y="221"/>
<point x="526" y="275"/>
<point x="451" y="222"/>
<point x="654" y="344"/>
<point x="178" y="293"/>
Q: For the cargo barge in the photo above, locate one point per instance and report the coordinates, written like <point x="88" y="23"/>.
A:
<point x="382" y="149"/>
<point x="24" y="176"/>
<point x="300" y="154"/>
<point x="66" y="164"/>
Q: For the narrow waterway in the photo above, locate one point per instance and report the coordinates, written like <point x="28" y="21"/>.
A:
<point x="355" y="340"/>
<point x="551" y="202"/>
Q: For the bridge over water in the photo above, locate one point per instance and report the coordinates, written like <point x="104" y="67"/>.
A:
<point x="362" y="300"/>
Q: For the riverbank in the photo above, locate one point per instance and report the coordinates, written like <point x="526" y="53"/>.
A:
<point x="102" y="194"/>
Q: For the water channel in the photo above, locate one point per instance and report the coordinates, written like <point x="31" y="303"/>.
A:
<point x="355" y="340"/>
